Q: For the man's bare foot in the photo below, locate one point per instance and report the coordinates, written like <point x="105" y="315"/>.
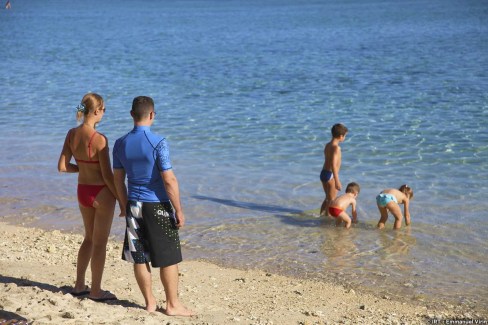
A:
<point x="381" y="225"/>
<point x="179" y="311"/>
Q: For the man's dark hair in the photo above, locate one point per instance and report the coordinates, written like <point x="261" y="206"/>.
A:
<point x="142" y="106"/>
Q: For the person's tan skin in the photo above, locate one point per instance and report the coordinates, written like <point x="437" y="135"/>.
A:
<point x="332" y="162"/>
<point x="169" y="275"/>
<point x="97" y="219"/>
<point x="395" y="209"/>
<point x="342" y="202"/>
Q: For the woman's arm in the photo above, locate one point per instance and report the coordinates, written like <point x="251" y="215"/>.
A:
<point x="105" y="167"/>
<point x="64" y="162"/>
<point x="119" y="181"/>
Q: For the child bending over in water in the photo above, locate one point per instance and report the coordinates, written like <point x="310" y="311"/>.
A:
<point x="390" y="200"/>
<point x="338" y="206"/>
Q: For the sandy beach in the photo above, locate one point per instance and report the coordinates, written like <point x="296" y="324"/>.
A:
<point x="38" y="268"/>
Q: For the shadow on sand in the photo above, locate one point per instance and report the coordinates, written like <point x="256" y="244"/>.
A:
<point x="54" y="289"/>
<point x="9" y="318"/>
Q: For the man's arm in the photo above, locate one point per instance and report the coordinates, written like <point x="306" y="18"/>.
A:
<point x="173" y="191"/>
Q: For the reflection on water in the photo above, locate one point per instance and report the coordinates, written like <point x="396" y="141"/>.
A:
<point x="367" y="256"/>
<point x="395" y="263"/>
<point x="340" y="248"/>
<point x="395" y="245"/>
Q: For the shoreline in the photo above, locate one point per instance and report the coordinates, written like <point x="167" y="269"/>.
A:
<point x="38" y="270"/>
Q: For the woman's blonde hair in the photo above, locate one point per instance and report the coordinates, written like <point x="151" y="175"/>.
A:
<point x="407" y="190"/>
<point x="89" y="103"/>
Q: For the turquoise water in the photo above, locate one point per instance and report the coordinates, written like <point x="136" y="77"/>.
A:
<point x="246" y="93"/>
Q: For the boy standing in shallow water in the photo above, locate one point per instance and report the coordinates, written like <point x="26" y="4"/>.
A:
<point x="339" y="205"/>
<point x="330" y="171"/>
<point x="390" y="200"/>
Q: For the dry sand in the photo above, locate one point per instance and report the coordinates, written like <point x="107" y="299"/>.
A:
<point x="37" y="270"/>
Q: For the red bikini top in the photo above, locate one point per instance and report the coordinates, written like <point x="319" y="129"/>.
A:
<point x="89" y="153"/>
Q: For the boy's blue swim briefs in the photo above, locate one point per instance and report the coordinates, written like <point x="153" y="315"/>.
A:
<point x="326" y="175"/>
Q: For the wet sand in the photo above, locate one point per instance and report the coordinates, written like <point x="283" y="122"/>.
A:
<point x="37" y="270"/>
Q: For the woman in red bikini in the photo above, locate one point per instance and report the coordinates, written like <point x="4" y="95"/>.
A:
<point x="96" y="192"/>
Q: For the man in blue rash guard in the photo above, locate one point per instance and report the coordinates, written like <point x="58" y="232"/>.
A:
<point x="154" y="213"/>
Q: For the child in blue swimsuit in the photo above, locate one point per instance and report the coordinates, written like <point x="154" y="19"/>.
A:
<point x="329" y="176"/>
<point x="389" y="200"/>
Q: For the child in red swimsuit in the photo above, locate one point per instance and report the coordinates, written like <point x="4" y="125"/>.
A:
<point x="339" y="205"/>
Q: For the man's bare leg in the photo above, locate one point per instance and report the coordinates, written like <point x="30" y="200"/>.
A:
<point x="142" y="273"/>
<point x="169" y="278"/>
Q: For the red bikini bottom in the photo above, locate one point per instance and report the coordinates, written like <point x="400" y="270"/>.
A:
<point x="87" y="194"/>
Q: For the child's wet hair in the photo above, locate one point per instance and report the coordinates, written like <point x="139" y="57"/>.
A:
<point x="89" y="103"/>
<point x="338" y="130"/>
<point x="353" y="188"/>
<point x="407" y="190"/>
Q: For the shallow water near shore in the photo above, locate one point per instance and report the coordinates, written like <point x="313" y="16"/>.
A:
<point x="246" y="94"/>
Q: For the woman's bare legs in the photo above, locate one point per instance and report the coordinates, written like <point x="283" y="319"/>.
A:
<point x="104" y="214"/>
<point x="84" y="253"/>
<point x="97" y="222"/>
